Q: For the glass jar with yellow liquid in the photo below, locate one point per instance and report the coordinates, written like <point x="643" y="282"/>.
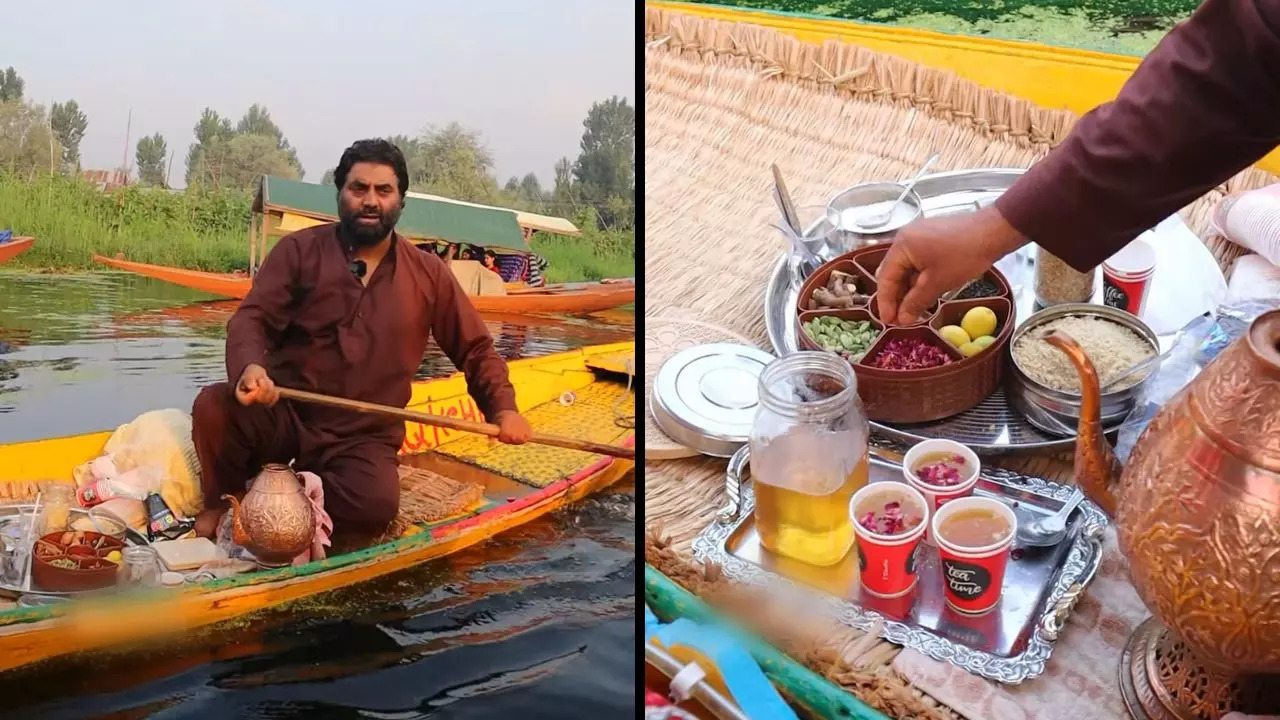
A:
<point x="808" y="456"/>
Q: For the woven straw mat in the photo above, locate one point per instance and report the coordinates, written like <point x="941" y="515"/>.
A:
<point x="665" y="336"/>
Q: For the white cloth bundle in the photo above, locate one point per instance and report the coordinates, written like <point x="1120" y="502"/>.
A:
<point x="1252" y="221"/>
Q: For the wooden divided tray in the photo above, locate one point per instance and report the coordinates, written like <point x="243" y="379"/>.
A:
<point x="1009" y="644"/>
<point x="992" y="426"/>
<point x="919" y="395"/>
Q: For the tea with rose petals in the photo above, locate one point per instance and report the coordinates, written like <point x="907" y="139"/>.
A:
<point x="942" y="469"/>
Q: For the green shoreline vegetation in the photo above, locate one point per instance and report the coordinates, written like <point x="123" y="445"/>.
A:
<point x="208" y="229"/>
<point x="206" y="225"/>
<point x="1128" y="27"/>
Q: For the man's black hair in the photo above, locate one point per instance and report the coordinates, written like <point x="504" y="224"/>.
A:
<point x="379" y="151"/>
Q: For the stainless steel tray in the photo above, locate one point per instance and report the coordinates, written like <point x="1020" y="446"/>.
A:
<point x="1010" y="644"/>
<point x="10" y="512"/>
<point x="995" y="425"/>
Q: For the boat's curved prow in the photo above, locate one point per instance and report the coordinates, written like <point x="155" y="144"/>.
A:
<point x="15" y="247"/>
<point x="225" y="284"/>
<point x="589" y="298"/>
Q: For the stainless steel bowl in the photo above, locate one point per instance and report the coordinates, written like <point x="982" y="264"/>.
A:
<point x="1057" y="412"/>
<point x="850" y="236"/>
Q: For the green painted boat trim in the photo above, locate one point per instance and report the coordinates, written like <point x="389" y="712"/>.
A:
<point x="26" y="615"/>
<point x="371" y="554"/>
<point x="798" y="684"/>
<point x="408" y="543"/>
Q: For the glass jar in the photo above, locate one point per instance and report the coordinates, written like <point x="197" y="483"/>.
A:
<point x="56" y="499"/>
<point x="139" y="565"/>
<point x="808" y="456"/>
<point x="1058" y="282"/>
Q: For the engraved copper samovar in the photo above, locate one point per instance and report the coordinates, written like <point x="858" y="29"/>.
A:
<point x="275" y="521"/>
<point x="1197" y="513"/>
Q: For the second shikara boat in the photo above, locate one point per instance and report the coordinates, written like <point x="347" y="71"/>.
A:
<point x="572" y="393"/>
<point x="15" y="247"/>
<point x="571" y="298"/>
<point x="283" y="206"/>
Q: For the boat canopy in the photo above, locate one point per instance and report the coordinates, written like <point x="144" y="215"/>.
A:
<point x="296" y="205"/>
<point x="527" y="220"/>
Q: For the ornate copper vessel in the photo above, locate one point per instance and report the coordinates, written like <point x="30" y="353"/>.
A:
<point x="1197" y="511"/>
<point x="275" y="521"/>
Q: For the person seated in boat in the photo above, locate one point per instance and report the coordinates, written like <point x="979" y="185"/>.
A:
<point x="466" y="253"/>
<point x="448" y="252"/>
<point x="491" y="262"/>
<point x="1199" y="108"/>
<point x="342" y="309"/>
<point x="512" y="267"/>
<point x="537" y="266"/>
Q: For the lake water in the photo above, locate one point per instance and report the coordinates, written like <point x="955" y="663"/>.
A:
<point x="540" y="620"/>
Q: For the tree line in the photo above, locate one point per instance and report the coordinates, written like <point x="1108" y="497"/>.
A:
<point x="452" y="161"/>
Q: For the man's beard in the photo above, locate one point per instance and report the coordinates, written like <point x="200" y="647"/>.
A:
<point x="365" y="235"/>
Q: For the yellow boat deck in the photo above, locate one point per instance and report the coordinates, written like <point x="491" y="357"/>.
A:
<point x="602" y="412"/>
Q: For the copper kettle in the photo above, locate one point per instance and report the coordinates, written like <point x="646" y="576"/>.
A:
<point x="1197" y="514"/>
<point x="275" y="521"/>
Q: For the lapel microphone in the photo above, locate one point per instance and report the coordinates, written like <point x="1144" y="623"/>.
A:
<point x="358" y="268"/>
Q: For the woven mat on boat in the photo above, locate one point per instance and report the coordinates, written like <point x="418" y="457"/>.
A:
<point x="722" y="102"/>
<point x="429" y="497"/>
<point x="602" y="412"/>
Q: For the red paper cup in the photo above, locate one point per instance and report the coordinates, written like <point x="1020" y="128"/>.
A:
<point x="936" y="495"/>
<point x="973" y="577"/>
<point x="888" y="562"/>
<point x="1126" y="277"/>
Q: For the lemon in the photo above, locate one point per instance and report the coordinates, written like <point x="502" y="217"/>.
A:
<point x="984" y="341"/>
<point x="979" y="321"/>
<point x="970" y="349"/>
<point x="954" y="334"/>
<point x="114" y="556"/>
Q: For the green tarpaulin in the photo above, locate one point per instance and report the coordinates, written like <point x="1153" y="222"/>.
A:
<point x="422" y="219"/>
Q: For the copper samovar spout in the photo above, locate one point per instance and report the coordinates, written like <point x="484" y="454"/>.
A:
<point x="1096" y="467"/>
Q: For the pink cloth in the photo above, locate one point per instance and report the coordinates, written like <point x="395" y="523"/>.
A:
<point x="314" y="489"/>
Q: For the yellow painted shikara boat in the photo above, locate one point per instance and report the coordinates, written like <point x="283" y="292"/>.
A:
<point x="570" y="393"/>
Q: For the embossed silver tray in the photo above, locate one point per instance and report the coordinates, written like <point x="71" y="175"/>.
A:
<point x="1010" y="644"/>
<point x="994" y="426"/>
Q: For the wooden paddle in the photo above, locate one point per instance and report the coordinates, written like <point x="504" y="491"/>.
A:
<point x="478" y="428"/>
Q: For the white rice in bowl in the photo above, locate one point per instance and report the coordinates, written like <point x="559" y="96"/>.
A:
<point x="1112" y="347"/>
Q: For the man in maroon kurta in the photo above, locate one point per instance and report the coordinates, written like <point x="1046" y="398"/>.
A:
<point x="1202" y="106"/>
<point x="342" y="309"/>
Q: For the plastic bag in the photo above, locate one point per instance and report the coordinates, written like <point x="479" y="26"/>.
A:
<point x="1203" y="339"/>
<point x="158" y="444"/>
<point x="1253" y="278"/>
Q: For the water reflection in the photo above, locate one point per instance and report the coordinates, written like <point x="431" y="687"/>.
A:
<point x="89" y="352"/>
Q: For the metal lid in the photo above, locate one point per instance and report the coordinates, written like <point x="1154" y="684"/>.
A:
<point x="705" y="397"/>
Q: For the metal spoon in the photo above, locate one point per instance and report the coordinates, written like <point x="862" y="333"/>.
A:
<point x="785" y="204"/>
<point x="877" y="220"/>
<point x="1050" y="530"/>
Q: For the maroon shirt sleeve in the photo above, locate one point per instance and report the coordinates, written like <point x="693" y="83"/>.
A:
<point x="1202" y="106"/>
<point x="461" y="333"/>
<point x="262" y="317"/>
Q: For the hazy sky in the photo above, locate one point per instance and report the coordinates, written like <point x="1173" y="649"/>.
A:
<point x="523" y="73"/>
